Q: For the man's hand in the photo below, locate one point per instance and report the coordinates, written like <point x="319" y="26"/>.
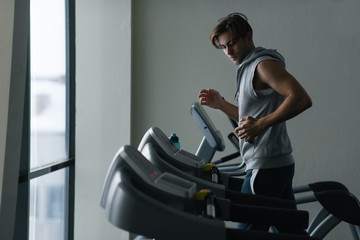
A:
<point x="249" y="128"/>
<point x="210" y="98"/>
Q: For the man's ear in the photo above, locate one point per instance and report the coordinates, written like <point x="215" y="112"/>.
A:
<point x="249" y="36"/>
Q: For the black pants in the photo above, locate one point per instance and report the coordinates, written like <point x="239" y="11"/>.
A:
<point x="274" y="182"/>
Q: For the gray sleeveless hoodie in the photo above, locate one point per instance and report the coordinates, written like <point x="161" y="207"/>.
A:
<point x="272" y="148"/>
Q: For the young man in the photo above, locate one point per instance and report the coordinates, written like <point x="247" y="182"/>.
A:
<point x="266" y="95"/>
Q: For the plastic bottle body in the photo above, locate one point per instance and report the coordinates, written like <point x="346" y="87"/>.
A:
<point x="175" y="140"/>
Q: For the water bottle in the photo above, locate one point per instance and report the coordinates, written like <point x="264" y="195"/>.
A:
<point x="175" y="140"/>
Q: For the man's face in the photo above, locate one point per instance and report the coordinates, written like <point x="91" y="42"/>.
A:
<point x="235" y="49"/>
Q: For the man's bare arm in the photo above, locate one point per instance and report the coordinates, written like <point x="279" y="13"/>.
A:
<point x="274" y="75"/>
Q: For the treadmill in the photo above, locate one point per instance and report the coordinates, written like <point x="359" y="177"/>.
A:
<point x="140" y="198"/>
<point x="157" y="148"/>
<point x="337" y="203"/>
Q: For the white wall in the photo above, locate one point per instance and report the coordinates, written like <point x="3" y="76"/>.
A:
<point x="6" y="39"/>
<point x="173" y="59"/>
<point x="13" y="65"/>
<point x="102" y="107"/>
<point x="6" y="36"/>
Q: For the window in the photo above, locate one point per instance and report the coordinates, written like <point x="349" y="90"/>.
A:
<point x="48" y="206"/>
<point x="48" y="77"/>
<point x="46" y="182"/>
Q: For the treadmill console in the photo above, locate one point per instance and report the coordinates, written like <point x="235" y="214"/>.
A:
<point x="157" y="136"/>
<point x="212" y="135"/>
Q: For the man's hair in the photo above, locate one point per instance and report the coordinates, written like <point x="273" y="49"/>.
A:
<point x="236" y="24"/>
